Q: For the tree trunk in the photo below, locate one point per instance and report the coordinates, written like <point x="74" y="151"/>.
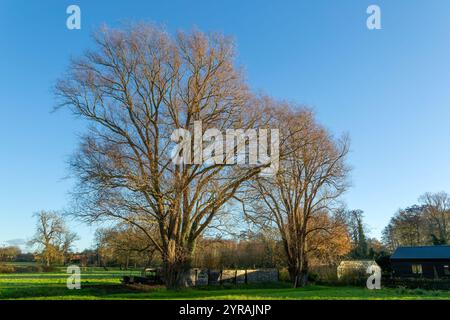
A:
<point x="298" y="273"/>
<point x="127" y="262"/>
<point x="299" y="277"/>
<point x="176" y="274"/>
<point x="177" y="265"/>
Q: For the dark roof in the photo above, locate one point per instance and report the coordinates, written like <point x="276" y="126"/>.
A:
<point x="429" y="252"/>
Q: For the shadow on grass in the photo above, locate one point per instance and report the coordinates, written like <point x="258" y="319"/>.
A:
<point x="119" y="291"/>
<point x="43" y="291"/>
<point x="225" y="291"/>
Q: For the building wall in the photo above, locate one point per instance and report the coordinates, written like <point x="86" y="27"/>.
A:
<point x="403" y="268"/>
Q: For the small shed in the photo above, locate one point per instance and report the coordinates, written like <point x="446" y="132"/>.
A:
<point x="354" y="269"/>
<point x="431" y="262"/>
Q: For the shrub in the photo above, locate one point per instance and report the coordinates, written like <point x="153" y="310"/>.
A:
<point x="4" y="268"/>
<point x="313" y="277"/>
<point x="28" y="269"/>
<point x="49" y="269"/>
<point x="419" y="292"/>
<point x="345" y="282"/>
<point x="325" y="273"/>
<point x="8" y="268"/>
<point x="283" y="275"/>
<point x="384" y="261"/>
<point x="414" y="283"/>
<point x="401" y="290"/>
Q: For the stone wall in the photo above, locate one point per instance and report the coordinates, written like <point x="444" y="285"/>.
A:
<point x="202" y="277"/>
<point x="262" y="275"/>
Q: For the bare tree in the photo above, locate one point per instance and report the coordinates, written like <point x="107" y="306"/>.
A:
<point x="312" y="176"/>
<point x="9" y="253"/>
<point x="437" y="214"/>
<point x="406" y="228"/>
<point x="66" y="241"/>
<point x="52" y="237"/>
<point x="135" y="90"/>
<point x="424" y="224"/>
<point x="124" y="244"/>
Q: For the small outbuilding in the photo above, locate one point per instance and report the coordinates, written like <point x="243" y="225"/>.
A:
<point x="354" y="269"/>
<point x="431" y="262"/>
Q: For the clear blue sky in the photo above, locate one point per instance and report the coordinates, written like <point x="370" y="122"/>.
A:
<point x="389" y="88"/>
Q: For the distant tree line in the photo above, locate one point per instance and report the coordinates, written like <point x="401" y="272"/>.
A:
<point x="126" y="246"/>
<point x="123" y="247"/>
<point x="14" y="254"/>
<point x="425" y="223"/>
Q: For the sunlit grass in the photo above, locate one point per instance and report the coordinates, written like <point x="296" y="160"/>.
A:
<point x="102" y="284"/>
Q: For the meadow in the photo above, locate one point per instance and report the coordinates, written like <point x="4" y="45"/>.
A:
<point x="98" y="283"/>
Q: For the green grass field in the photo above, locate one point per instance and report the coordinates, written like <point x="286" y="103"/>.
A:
<point x="100" y="284"/>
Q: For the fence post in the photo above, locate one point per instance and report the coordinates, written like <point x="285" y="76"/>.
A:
<point x="196" y="277"/>
<point x="209" y="276"/>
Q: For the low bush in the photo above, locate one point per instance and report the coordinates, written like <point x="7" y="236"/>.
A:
<point x="323" y="274"/>
<point x="28" y="269"/>
<point x="49" y="269"/>
<point x="10" y="268"/>
<point x="313" y="277"/>
<point x="283" y="275"/>
<point x="402" y="290"/>
<point x="414" y="283"/>
<point x="344" y="282"/>
<point x="5" y="268"/>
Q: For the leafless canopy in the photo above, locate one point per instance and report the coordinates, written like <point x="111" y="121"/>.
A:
<point x="135" y="89"/>
<point x="312" y="176"/>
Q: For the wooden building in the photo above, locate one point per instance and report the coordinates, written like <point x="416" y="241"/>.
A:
<point x="431" y="262"/>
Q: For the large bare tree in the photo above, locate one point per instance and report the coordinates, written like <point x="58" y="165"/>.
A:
<point x="135" y="89"/>
<point x="311" y="177"/>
